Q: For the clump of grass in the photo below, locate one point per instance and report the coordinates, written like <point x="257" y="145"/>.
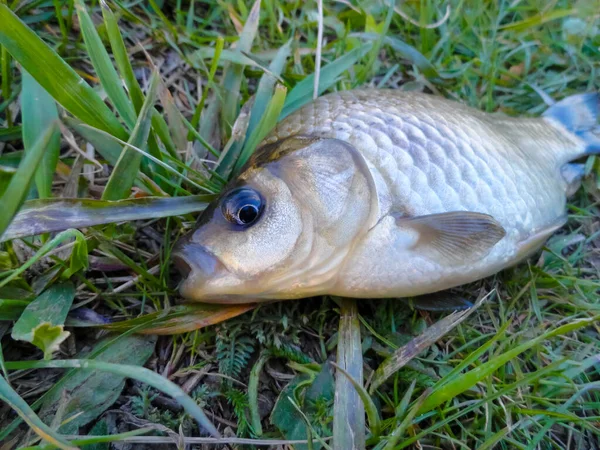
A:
<point x="149" y="101"/>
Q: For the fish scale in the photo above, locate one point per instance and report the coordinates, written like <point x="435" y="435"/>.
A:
<point x="435" y="160"/>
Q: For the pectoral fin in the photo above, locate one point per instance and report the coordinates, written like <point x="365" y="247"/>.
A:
<point x="458" y="237"/>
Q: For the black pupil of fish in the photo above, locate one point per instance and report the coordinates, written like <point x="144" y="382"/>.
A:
<point x="248" y="214"/>
<point x="242" y="206"/>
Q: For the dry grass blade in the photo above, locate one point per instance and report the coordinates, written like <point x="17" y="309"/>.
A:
<point x="432" y="334"/>
<point x="181" y="318"/>
<point x="51" y="215"/>
<point x="200" y="440"/>
<point x="348" y="409"/>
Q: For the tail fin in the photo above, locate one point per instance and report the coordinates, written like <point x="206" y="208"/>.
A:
<point x="579" y="114"/>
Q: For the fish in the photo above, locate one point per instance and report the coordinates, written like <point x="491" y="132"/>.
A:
<point x="374" y="193"/>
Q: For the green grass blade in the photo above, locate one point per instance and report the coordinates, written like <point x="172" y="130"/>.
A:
<point x="253" y="394"/>
<point x="38" y="113"/>
<point x="125" y="172"/>
<point x="408" y="52"/>
<point x="217" y="51"/>
<point x="398" y="433"/>
<point x="19" y="405"/>
<point x="47" y="247"/>
<point x="10" y="134"/>
<point x="139" y="373"/>
<point x="238" y="154"/>
<point x="6" y="75"/>
<point x="266" y="124"/>
<point x="302" y="93"/>
<point x="109" y="79"/>
<point x="234" y="73"/>
<point x="471" y="378"/>
<point x="18" y="186"/>
<point x="369" y="404"/>
<point x="121" y="56"/>
<point x="264" y="92"/>
<point x="57" y="77"/>
<point x="12" y="309"/>
<point x="52" y="215"/>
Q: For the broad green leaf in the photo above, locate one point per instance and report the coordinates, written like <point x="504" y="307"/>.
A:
<point x="348" y="410"/>
<point x="181" y="318"/>
<point x="42" y="322"/>
<point x="90" y="393"/>
<point x="125" y="370"/>
<point x="111" y="83"/>
<point x="18" y="187"/>
<point x="39" y="112"/>
<point x="21" y="407"/>
<point x="56" y="76"/>
<point x="266" y="124"/>
<point x="126" y="170"/>
<point x="305" y="389"/>
<point x="302" y="93"/>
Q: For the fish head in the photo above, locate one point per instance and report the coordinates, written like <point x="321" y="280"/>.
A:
<point x="283" y="228"/>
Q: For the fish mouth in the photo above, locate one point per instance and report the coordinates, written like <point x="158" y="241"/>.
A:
<point x="198" y="268"/>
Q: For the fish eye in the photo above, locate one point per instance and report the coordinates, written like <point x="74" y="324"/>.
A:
<point x="242" y="206"/>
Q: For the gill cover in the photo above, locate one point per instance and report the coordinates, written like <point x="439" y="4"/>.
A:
<point x="318" y="196"/>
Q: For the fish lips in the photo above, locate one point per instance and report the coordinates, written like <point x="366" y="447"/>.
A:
<point x="197" y="266"/>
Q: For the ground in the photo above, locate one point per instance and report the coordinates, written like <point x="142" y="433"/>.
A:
<point x="522" y="371"/>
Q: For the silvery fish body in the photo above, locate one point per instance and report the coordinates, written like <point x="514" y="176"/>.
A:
<point x="424" y="194"/>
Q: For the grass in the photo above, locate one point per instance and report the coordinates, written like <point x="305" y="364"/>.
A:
<point x="149" y="96"/>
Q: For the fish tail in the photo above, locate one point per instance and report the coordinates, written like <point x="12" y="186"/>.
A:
<point x="579" y="114"/>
